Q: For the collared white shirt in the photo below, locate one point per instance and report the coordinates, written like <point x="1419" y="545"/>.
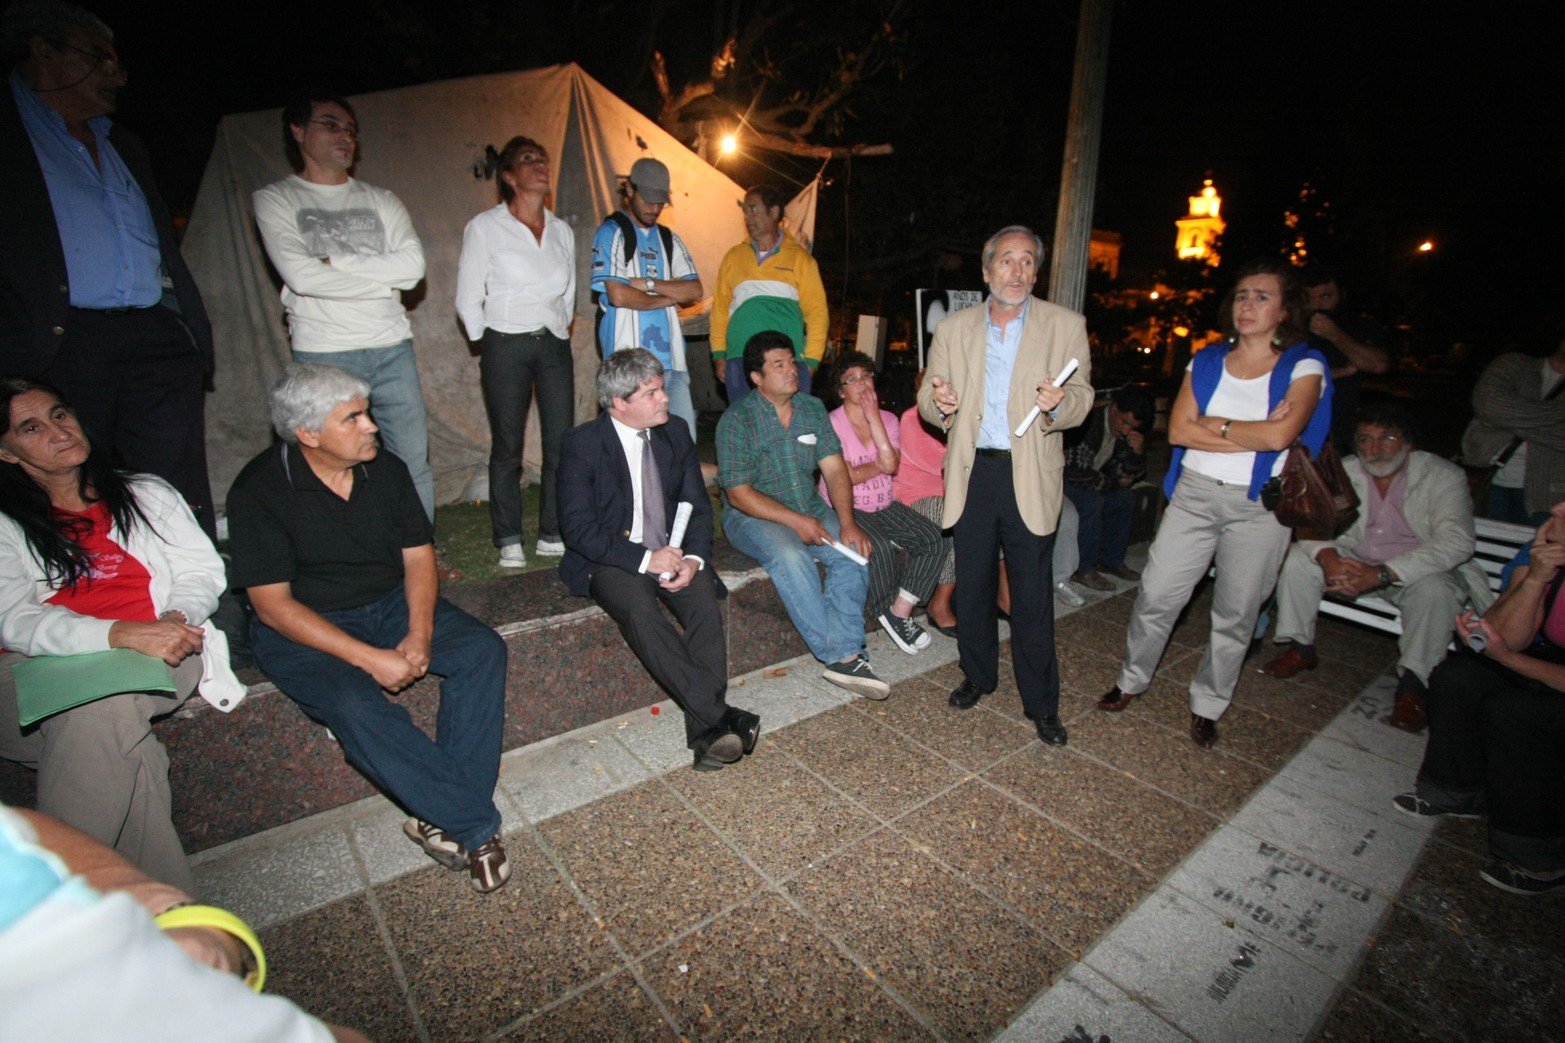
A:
<point x="508" y="281"/>
<point x="630" y="441"/>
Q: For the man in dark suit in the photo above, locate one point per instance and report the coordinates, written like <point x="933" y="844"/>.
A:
<point x="94" y="296"/>
<point x="617" y="508"/>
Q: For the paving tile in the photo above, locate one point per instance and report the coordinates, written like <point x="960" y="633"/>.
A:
<point x="1089" y="666"/>
<point x="786" y="693"/>
<point x="617" y="1010"/>
<point x="343" y="937"/>
<point x="1365" y="723"/>
<point x="973" y="738"/>
<point x="1348" y="677"/>
<point x="779" y="814"/>
<point x="1469" y="834"/>
<point x="386" y="851"/>
<point x="1313" y="913"/>
<point x="892" y="664"/>
<point x="1356" y="1018"/>
<point x="656" y="740"/>
<point x="1208" y="974"/>
<point x="884" y="771"/>
<point x="648" y="864"/>
<point x="552" y="779"/>
<point x="1141" y="825"/>
<point x="1209" y="779"/>
<point x="1351" y="775"/>
<point x="1377" y="850"/>
<point x="1446" y="887"/>
<point x="276" y="883"/>
<point x="762" y="971"/>
<point x="944" y="946"/>
<point x="1439" y="975"/>
<point x="1034" y="865"/>
<point x="1352" y="642"/>
<point x="1265" y="740"/>
<point x="460" y="949"/>
<point x="1084" y="1006"/>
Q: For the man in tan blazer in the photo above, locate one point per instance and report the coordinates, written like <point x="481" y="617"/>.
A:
<point x="988" y="367"/>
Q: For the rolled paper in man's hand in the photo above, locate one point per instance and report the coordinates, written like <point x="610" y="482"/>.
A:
<point x="849" y="553"/>
<point x="676" y="537"/>
<point x="1034" y="412"/>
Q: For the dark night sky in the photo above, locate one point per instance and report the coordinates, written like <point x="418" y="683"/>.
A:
<point x="1415" y="122"/>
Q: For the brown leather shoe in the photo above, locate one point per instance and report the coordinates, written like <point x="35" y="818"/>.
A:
<point x="1408" y="714"/>
<point x="1092" y="579"/>
<point x="1203" y="730"/>
<point x="1291" y="662"/>
<point x="1114" y="700"/>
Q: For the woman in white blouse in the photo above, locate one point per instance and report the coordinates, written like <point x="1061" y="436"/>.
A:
<point x="1242" y="403"/>
<point x="516" y="296"/>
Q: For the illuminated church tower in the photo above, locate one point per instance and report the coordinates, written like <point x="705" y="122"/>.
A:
<point x="1200" y="229"/>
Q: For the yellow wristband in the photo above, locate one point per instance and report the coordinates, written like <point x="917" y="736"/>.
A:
<point x="223" y="920"/>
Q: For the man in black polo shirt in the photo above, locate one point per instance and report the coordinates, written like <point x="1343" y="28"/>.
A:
<point x="330" y="539"/>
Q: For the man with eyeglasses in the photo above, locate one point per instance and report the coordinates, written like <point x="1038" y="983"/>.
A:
<point x="641" y="276"/>
<point x="768" y="282"/>
<point x="1412" y="544"/>
<point x="94" y="296"/>
<point x="346" y="251"/>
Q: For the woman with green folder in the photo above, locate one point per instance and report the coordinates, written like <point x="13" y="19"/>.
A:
<point x="94" y="559"/>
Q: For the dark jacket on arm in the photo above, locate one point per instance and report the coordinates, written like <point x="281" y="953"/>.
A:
<point x="596" y="498"/>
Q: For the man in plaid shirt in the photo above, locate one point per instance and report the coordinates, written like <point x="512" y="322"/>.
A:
<point x="769" y="446"/>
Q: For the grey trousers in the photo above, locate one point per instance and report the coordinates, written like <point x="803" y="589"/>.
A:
<point x="1428" y="607"/>
<point x="101" y="770"/>
<point x="1205" y="519"/>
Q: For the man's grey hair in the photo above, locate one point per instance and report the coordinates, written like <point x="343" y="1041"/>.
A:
<point x="992" y="244"/>
<point x="623" y="373"/>
<point x="305" y="395"/>
<point x="51" y="19"/>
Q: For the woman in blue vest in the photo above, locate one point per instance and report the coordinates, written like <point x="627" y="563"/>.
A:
<point x="1241" y="404"/>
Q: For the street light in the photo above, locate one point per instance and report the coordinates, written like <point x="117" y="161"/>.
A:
<point x="730" y="144"/>
<point x="1426" y="246"/>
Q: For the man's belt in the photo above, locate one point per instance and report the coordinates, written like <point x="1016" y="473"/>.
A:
<point x="1001" y="454"/>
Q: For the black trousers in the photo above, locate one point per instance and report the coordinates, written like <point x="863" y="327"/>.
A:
<point x="137" y="382"/>
<point x="1497" y="740"/>
<point x="692" y="667"/>
<point x="990" y="520"/>
<point x="511" y="367"/>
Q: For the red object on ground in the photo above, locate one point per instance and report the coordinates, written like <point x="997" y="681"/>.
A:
<point x="656" y="711"/>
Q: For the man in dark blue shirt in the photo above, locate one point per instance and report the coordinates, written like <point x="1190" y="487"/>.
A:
<point x="94" y="297"/>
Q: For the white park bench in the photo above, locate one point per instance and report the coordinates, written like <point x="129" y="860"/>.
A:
<point x="1498" y="543"/>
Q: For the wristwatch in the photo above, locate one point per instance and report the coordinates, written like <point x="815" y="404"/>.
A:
<point x="1386" y="579"/>
<point x="650" y="284"/>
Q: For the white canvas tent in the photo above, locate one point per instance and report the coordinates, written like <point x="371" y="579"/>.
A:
<point x="422" y="143"/>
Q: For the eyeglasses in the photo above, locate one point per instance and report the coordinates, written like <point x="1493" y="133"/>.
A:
<point x="1389" y="441"/>
<point x="333" y="127"/>
<point x="859" y="378"/>
<point x="98" y="57"/>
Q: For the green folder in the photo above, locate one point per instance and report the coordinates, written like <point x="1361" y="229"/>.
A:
<point x="48" y="684"/>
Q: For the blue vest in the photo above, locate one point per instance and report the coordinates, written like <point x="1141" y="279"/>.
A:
<point x="1206" y="370"/>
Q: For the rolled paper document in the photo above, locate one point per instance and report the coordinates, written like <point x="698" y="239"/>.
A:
<point x="849" y="553"/>
<point x="676" y="537"/>
<point x="1034" y="412"/>
<point x="1477" y="642"/>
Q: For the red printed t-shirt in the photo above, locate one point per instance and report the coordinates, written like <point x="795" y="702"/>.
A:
<point x="116" y="585"/>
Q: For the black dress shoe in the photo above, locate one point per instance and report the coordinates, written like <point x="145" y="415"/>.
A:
<point x="1050" y="730"/>
<point x="744" y="724"/>
<point x="1114" y="700"/>
<point x="715" y="749"/>
<point x="965" y="696"/>
<point x="1203" y="730"/>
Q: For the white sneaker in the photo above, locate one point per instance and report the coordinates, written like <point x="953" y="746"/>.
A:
<point x="513" y="557"/>
<point x="549" y="548"/>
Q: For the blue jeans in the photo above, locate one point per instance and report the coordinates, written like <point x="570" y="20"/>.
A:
<point x="448" y="781"/>
<point x="737" y="381"/>
<point x="511" y="367"/>
<point x="677" y="383"/>
<point x="831" y="621"/>
<point x="1105" y="524"/>
<point x="397" y="404"/>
